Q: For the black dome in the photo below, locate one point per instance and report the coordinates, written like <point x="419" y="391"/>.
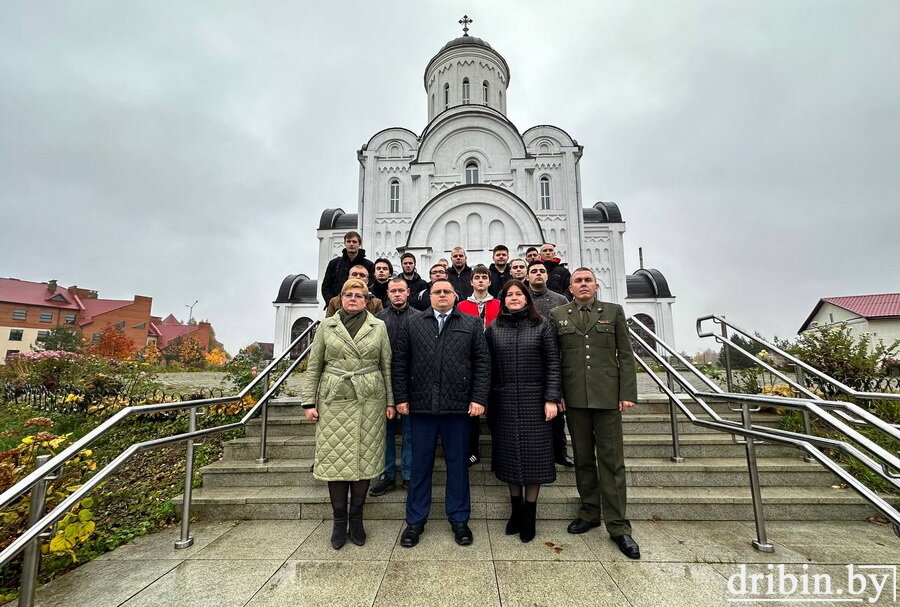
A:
<point x="465" y="40"/>
<point x="337" y="218"/>
<point x="647" y="284"/>
<point x="297" y="288"/>
<point x="603" y="212"/>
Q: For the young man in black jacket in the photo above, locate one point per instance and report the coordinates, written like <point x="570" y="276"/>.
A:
<point x="384" y="269"/>
<point x="499" y="270"/>
<point x="408" y="265"/>
<point x="441" y="378"/>
<point x="338" y="269"/>
<point x="395" y="316"/>
<point x="459" y="273"/>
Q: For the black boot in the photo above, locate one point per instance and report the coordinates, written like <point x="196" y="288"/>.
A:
<point x="339" y="531"/>
<point x="357" y="531"/>
<point x="515" y="518"/>
<point x="529" y="514"/>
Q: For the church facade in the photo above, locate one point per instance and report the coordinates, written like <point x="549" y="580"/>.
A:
<point x="471" y="178"/>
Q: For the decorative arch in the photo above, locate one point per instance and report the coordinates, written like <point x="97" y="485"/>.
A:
<point x="648" y="321"/>
<point x="300" y="325"/>
<point x="473" y="232"/>
<point x="469" y="118"/>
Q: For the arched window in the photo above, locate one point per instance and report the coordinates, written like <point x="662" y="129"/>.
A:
<point x="447" y="96"/>
<point x="465" y="91"/>
<point x="545" y="193"/>
<point x="484" y="92"/>
<point x="471" y="172"/>
<point x="394" y="151"/>
<point x="395" y="196"/>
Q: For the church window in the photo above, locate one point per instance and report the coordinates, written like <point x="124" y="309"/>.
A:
<point x="484" y="92"/>
<point x="446" y="96"/>
<point x="395" y="196"/>
<point x="545" y="193"/>
<point x="471" y="172"/>
<point x="545" y="148"/>
<point x="394" y="151"/>
<point x="465" y="91"/>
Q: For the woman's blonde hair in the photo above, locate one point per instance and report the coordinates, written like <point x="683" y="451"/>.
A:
<point x="355" y="283"/>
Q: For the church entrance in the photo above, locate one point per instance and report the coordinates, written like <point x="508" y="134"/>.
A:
<point x="475" y="217"/>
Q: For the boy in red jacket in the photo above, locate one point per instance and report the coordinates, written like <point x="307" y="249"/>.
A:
<point x="483" y="305"/>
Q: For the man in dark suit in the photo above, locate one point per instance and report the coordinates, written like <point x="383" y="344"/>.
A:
<point x="441" y="377"/>
<point x="599" y="385"/>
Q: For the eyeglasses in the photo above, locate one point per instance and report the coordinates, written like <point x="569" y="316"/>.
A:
<point x="353" y="295"/>
<point x="442" y="292"/>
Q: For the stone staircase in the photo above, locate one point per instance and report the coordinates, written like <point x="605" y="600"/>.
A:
<point x="711" y="484"/>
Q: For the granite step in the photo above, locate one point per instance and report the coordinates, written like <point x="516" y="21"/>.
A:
<point x="632" y="424"/>
<point x="555" y="503"/>
<point x="641" y="472"/>
<point x="700" y="445"/>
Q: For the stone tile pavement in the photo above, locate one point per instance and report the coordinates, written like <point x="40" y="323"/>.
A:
<point x="274" y="563"/>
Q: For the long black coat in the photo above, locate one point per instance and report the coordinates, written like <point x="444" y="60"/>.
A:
<point x="526" y="374"/>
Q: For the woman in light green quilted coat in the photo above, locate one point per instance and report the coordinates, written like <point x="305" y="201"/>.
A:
<point x="348" y="394"/>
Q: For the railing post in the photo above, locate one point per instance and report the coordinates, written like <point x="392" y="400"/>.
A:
<point x="186" y="540"/>
<point x="761" y="543"/>
<point x="729" y="382"/>
<point x="673" y="420"/>
<point x="807" y="425"/>
<point x="264" y="428"/>
<point x="31" y="562"/>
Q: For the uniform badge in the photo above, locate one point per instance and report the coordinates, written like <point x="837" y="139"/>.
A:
<point x="604" y="322"/>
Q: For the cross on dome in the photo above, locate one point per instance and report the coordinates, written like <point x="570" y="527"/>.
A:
<point x="465" y="21"/>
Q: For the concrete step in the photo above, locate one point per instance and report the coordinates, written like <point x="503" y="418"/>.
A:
<point x="702" y="445"/>
<point x="555" y="503"/>
<point x="632" y="424"/>
<point x="641" y="472"/>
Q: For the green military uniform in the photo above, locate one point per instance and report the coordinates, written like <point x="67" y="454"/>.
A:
<point x="597" y="372"/>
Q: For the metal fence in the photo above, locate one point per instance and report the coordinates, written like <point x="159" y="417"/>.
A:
<point x="65" y="400"/>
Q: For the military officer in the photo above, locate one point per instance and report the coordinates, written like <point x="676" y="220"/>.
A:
<point x="599" y="384"/>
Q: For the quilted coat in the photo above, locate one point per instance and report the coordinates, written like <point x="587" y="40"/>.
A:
<point x="349" y="382"/>
<point x="526" y="374"/>
<point x="441" y="374"/>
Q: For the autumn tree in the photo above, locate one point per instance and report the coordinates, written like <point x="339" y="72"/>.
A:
<point x="217" y="358"/>
<point x="65" y="339"/>
<point x="113" y="343"/>
<point x="185" y="350"/>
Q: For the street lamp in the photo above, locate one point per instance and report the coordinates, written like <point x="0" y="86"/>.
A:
<point x="191" y="311"/>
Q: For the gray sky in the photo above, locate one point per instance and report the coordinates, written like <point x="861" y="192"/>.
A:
<point x="185" y="150"/>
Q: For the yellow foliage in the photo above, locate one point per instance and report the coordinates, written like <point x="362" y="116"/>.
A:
<point x="217" y="357"/>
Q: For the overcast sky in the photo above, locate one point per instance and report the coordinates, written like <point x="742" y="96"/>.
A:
<point x="185" y="150"/>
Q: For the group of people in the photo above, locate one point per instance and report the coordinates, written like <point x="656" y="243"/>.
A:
<point x="523" y="342"/>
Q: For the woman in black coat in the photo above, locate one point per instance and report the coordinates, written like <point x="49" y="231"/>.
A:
<point x="524" y="395"/>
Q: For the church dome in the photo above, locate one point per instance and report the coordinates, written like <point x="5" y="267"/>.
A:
<point x="467" y="70"/>
<point x="465" y="40"/>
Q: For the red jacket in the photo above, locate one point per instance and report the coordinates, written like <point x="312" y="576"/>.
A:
<point x="491" y="309"/>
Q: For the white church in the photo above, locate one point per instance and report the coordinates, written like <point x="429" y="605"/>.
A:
<point x="471" y="178"/>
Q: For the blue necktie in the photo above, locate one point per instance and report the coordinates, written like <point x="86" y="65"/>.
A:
<point x="441" y="319"/>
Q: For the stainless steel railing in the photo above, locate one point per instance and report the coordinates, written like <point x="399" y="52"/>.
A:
<point x="805" y="441"/>
<point x="37" y="479"/>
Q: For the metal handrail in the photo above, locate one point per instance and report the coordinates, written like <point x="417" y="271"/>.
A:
<point x="789" y="357"/>
<point x="806" y="442"/>
<point x="40" y="473"/>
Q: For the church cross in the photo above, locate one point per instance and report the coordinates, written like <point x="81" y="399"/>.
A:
<point x="465" y="21"/>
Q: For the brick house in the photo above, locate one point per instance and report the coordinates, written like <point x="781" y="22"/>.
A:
<point x="29" y="310"/>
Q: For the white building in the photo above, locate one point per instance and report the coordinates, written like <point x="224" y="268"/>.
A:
<point x="875" y="315"/>
<point x="471" y="178"/>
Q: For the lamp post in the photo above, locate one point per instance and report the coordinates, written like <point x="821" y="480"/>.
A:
<point x="191" y="311"/>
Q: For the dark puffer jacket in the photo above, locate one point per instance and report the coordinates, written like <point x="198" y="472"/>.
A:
<point x="339" y="269"/>
<point x="526" y="374"/>
<point x="558" y="277"/>
<point x="440" y="374"/>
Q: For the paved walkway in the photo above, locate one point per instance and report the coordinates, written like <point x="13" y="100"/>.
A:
<point x="274" y="563"/>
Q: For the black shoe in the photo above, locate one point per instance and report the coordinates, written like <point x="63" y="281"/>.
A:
<point x="529" y="516"/>
<point x="514" y="524"/>
<point x="473" y="459"/>
<point x="565" y="460"/>
<point x="579" y="525"/>
<point x="383" y="485"/>
<point x="462" y="534"/>
<point x="357" y="531"/>
<point x="627" y="546"/>
<point x="339" y="530"/>
<point x="410" y="535"/>
<point x="404" y="484"/>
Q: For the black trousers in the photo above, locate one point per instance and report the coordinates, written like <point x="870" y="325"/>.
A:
<point x="559" y="435"/>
